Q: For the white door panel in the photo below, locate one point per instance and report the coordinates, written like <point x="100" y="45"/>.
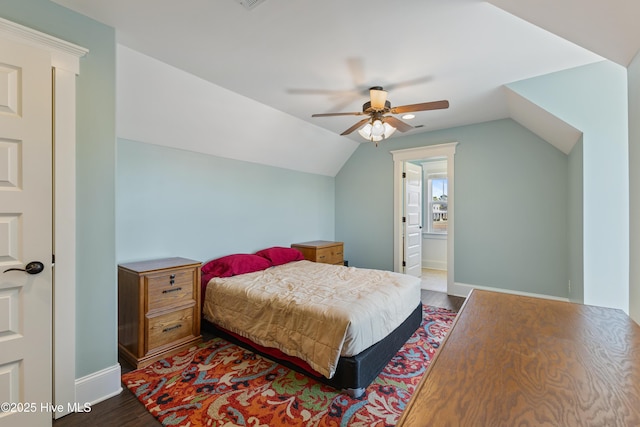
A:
<point x="413" y="219"/>
<point x="25" y="234"/>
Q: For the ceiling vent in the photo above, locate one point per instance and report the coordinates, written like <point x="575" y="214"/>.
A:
<point x="250" y="4"/>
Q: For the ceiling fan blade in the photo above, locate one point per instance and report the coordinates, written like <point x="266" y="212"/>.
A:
<point x="397" y="123"/>
<point x="359" y="113"/>
<point x="354" y="127"/>
<point x="435" y="105"/>
<point x="356" y="69"/>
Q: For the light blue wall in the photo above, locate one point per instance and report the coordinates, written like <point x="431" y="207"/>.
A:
<point x="96" y="327"/>
<point x="173" y="202"/>
<point x="364" y="207"/>
<point x="634" y="188"/>
<point x="511" y="192"/>
<point x="575" y="223"/>
<point x="594" y="99"/>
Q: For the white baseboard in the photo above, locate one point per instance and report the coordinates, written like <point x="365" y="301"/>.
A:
<point x="99" y="386"/>
<point x="463" y="290"/>
<point x="434" y="264"/>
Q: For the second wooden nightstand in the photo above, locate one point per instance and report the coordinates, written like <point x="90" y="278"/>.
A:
<point x="158" y="308"/>
<point x="323" y="251"/>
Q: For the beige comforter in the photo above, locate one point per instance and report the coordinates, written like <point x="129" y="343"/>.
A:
<point x="316" y="312"/>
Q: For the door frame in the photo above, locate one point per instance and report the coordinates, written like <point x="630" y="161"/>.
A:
<point x="447" y="151"/>
<point x="65" y="63"/>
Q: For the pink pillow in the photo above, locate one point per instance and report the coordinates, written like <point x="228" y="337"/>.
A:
<point x="279" y="255"/>
<point x="232" y="265"/>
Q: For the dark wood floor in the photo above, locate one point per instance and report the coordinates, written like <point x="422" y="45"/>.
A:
<point x="124" y="410"/>
<point x="439" y="299"/>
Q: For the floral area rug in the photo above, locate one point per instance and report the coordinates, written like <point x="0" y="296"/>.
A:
<point x="220" y="384"/>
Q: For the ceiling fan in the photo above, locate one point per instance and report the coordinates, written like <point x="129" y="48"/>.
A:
<point x="378" y="126"/>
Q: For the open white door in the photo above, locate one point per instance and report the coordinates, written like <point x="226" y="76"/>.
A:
<point x="25" y="235"/>
<point x="412" y="219"/>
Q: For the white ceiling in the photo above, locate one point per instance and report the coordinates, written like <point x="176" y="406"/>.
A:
<point x="609" y="28"/>
<point x="306" y="57"/>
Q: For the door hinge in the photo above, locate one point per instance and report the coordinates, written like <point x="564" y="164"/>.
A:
<point x="53" y="259"/>
<point x="404" y="174"/>
<point x="404" y="263"/>
<point x="404" y="219"/>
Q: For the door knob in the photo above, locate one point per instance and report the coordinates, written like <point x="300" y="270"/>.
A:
<point x="34" y="267"/>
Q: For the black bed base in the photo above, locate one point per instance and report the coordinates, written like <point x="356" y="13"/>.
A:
<point x="353" y="374"/>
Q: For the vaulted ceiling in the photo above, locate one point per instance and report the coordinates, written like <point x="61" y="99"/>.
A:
<point x="281" y="61"/>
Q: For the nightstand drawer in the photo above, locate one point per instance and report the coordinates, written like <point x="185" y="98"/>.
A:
<point x="170" y="327"/>
<point x="170" y="289"/>
<point x="330" y="255"/>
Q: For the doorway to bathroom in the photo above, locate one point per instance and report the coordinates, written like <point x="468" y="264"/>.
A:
<point x="437" y="218"/>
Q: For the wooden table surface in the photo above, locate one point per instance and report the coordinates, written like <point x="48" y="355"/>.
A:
<point x="520" y="361"/>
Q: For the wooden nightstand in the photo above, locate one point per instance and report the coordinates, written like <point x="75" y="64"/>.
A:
<point x="158" y="308"/>
<point x="322" y="251"/>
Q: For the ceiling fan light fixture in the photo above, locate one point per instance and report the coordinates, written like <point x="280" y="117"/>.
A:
<point x="388" y="130"/>
<point x="377" y="128"/>
<point x="378" y="98"/>
<point x="365" y="132"/>
<point x="376" y="131"/>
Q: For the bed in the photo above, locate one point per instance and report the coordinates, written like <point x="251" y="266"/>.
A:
<point x="340" y="325"/>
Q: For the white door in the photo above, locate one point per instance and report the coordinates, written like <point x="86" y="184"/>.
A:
<point x="412" y="219"/>
<point x="25" y="235"/>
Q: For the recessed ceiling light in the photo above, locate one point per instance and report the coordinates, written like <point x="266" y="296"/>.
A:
<point x="409" y="116"/>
